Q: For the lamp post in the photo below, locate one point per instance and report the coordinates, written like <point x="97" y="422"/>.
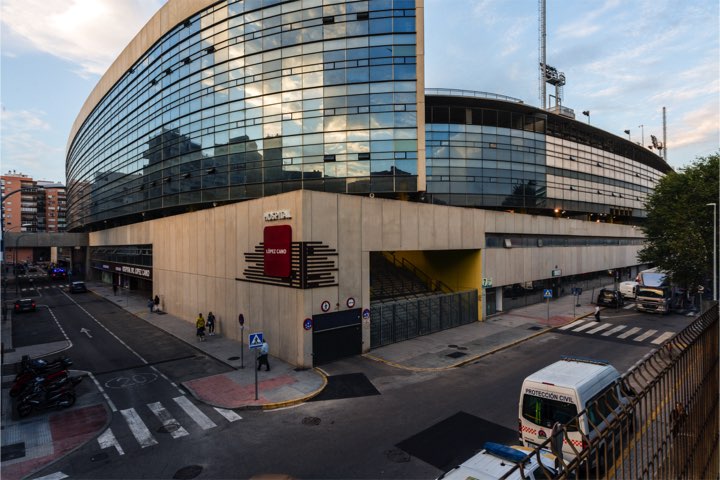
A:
<point x="627" y="132"/>
<point x="642" y="130"/>
<point x="714" y="205"/>
<point x="15" y="261"/>
<point x="587" y="114"/>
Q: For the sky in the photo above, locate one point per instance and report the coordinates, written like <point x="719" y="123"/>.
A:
<point x="624" y="60"/>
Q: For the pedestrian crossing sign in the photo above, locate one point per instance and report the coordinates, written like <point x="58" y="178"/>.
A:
<point x="547" y="293"/>
<point x="255" y="340"/>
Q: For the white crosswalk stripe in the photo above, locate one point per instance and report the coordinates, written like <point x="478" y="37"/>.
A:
<point x="662" y="338"/>
<point x="229" y="415"/>
<point x="632" y="331"/>
<point x="138" y="428"/>
<point x="605" y="329"/>
<point x="142" y="434"/>
<point x="600" y="328"/>
<point x="195" y="413"/>
<point x="571" y="325"/>
<point x="629" y="306"/>
<point x="645" y="335"/>
<point x="614" y="330"/>
<point x="176" y="431"/>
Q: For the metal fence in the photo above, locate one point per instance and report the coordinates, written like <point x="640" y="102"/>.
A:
<point x="666" y="425"/>
<point x="400" y="320"/>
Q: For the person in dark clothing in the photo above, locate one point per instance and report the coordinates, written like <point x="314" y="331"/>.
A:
<point x="210" y="324"/>
<point x="263" y="358"/>
<point x="597" y="313"/>
<point x="157" y="303"/>
<point x="115" y="288"/>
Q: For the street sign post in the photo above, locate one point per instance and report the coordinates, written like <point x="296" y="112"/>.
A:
<point x="255" y="341"/>
<point x="241" y="321"/>
<point x="547" y="295"/>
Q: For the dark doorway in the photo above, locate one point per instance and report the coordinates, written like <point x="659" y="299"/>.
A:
<point x="336" y="335"/>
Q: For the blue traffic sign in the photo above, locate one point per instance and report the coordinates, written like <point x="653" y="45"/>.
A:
<point x="547" y="293"/>
<point x="255" y="340"/>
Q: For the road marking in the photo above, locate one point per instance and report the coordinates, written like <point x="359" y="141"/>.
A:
<point x="107" y="439"/>
<point x="138" y="428"/>
<point x="662" y="338"/>
<point x="195" y="413"/>
<point x="573" y="324"/>
<point x="167" y="420"/>
<point x="632" y="331"/>
<point x="229" y="415"/>
<point x="629" y="306"/>
<point x="583" y="327"/>
<point x="53" y="476"/>
<point x="645" y="335"/>
<point x="107" y="398"/>
<point x="602" y="326"/>
<point x="614" y="330"/>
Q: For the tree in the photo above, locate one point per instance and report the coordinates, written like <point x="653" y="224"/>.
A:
<point x="679" y="225"/>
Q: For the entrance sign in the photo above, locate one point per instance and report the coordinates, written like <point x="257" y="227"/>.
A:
<point x="277" y="243"/>
<point x="255" y="340"/>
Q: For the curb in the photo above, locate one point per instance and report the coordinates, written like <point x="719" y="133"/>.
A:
<point x="474" y="358"/>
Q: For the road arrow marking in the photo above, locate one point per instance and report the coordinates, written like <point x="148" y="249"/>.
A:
<point x="86" y="332"/>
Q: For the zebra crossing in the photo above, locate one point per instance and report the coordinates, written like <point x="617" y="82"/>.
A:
<point x="154" y="416"/>
<point x="622" y="332"/>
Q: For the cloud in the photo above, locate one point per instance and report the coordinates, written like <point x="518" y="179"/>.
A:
<point x="88" y="33"/>
<point x="23" y="149"/>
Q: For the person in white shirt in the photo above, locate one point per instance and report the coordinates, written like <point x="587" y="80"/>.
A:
<point x="263" y="358"/>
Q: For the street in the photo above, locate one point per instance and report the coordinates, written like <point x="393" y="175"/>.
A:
<point x="372" y="421"/>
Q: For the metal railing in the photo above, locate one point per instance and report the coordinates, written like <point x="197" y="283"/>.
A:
<point x="660" y="419"/>
<point x="393" y="322"/>
<point x="431" y="283"/>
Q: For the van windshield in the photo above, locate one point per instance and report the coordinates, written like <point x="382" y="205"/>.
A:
<point x="545" y="412"/>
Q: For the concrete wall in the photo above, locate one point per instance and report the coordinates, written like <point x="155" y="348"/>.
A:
<point x="198" y="256"/>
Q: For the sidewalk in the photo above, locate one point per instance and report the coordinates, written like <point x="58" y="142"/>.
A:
<point x="284" y="385"/>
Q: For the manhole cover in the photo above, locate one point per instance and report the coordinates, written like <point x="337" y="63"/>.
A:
<point x="535" y="327"/>
<point x="456" y="354"/>
<point x="233" y="358"/>
<point x="170" y="427"/>
<point x="99" y="457"/>
<point x="311" y="421"/>
<point x="452" y="346"/>
<point x="187" y="473"/>
<point x="398" y="456"/>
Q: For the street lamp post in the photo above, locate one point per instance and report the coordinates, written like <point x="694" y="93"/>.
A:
<point x="15" y="261"/>
<point x="715" y="295"/>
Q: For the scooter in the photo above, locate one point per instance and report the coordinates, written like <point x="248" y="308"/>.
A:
<point x="40" y="399"/>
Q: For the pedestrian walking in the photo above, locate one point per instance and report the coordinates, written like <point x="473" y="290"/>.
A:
<point x="200" y="327"/>
<point x="597" y="313"/>
<point x="263" y="358"/>
<point x="115" y="288"/>
<point x="151" y="305"/>
<point x="211" y="324"/>
<point x="157" y="303"/>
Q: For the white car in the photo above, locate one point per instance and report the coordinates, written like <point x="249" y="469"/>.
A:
<point x="496" y="460"/>
<point x="628" y="289"/>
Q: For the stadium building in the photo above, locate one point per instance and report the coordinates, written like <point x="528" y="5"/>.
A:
<point x="283" y="160"/>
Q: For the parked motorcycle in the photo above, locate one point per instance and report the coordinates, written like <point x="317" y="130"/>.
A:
<point x="38" y="365"/>
<point x="40" y="399"/>
<point x="30" y="379"/>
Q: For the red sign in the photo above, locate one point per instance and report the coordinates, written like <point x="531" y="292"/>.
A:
<point x="278" y="243"/>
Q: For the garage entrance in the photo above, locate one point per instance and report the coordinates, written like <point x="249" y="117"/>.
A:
<point x="336" y="335"/>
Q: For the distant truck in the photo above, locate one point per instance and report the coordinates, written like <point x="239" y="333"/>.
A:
<point x="654" y="293"/>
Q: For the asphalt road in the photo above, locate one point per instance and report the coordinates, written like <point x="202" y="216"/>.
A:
<point x="376" y="422"/>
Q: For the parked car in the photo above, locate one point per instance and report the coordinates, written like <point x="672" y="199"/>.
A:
<point x="629" y="289"/>
<point x="611" y="298"/>
<point x="77" y="287"/>
<point x="24" y="305"/>
<point x="497" y="461"/>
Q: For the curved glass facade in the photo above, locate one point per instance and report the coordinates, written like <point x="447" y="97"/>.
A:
<point x="250" y="98"/>
<point x="489" y="152"/>
<point x="253" y="98"/>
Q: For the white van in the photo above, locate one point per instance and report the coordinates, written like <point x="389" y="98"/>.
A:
<point x="560" y="391"/>
<point x="497" y="461"/>
<point x="628" y="289"/>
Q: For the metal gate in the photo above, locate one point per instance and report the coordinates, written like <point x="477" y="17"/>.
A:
<point x="393" y="322"/>
<point x="336" y="335"/>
